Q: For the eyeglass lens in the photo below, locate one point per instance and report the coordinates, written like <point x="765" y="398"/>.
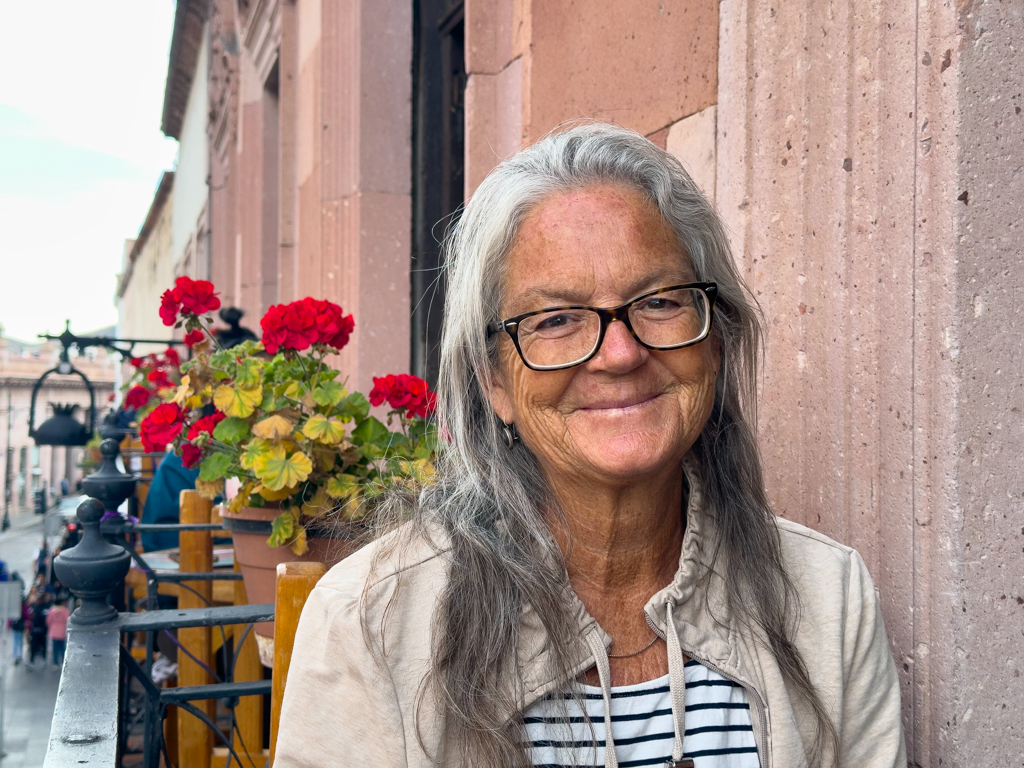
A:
<point x="565" y="336"/>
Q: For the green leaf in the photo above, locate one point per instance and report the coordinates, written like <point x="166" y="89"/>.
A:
<point x="249" y="373"/>
<point x="355" y="406"/>
<point x="282" y="530"/>
<point x="329" y="394"/>
<point x="231" y="431"/>
<point x="371" y="432"/>
<point x="343" y="486"/>
<point x="269" y="404"/>
<point x="214" y="466"/>
<point x="254" y="451"/>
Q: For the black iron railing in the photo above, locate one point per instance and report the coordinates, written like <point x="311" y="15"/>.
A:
<point x="98" y="706"/>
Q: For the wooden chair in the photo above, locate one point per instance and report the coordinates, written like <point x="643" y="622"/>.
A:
<point x="294" y="583"/>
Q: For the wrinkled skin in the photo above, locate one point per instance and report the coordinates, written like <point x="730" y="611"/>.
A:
<point x="610" y="433"/>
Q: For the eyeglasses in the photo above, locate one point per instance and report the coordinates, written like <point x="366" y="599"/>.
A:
<point x="560" y="337"/>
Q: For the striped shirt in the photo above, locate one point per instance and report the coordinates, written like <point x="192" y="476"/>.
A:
<point x="718" y="727"/>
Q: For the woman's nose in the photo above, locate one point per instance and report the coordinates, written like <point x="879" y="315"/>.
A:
<point x="620" y="351"/>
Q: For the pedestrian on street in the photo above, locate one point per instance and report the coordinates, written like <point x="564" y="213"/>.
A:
<point x="37" y="629"/>
<point x="57" y="630"/>
<point x="42" y="558"/>
<point x="18" y="631"/>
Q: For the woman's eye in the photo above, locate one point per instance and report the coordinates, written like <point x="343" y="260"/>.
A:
<point x="656" y="303"/>
<point x="553" y="322"/>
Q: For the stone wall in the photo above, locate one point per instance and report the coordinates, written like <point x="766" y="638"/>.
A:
<point x="311" y="177"/>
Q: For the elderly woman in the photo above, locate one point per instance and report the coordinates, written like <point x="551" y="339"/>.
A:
<point x="596" y="576"/>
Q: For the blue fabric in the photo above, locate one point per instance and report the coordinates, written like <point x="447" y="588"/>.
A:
<point x="170" y="480"/>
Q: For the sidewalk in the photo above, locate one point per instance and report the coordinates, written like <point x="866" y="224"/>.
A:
<point x="28" y="695"/>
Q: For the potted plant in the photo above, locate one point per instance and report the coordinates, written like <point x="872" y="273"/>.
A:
<point x="307" y="456"/>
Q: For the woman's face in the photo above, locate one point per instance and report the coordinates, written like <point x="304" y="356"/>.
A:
<point x="628" y="413"/>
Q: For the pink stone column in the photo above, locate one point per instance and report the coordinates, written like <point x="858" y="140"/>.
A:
<point x="864" y="169"/>
<point x="364" y="180"/>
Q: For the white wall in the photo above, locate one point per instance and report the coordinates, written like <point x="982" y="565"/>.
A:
<point x="190" y="189"/>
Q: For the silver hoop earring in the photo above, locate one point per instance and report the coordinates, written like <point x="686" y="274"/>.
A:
<point x="510" y="434"/>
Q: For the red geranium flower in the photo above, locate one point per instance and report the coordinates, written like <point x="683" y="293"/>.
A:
<point x="193" y="337"/>
<point x="196" y="296"/>
<point x="205" y="424"/>
<point x="161" y="427"/>
<point x="190" y="297"/>
<point x="301" y="324"/>
<point x="158" y="378"/>
<point x="403" y="392"/>
<point x="191" y="456"/>
<point x="137" y="397"/>
<point x="169" y="307"/>
<point x="172" y="356"/>
<point x="136" y="362"/>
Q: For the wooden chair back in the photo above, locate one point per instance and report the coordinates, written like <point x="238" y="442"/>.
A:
<point x="294" y="583"/>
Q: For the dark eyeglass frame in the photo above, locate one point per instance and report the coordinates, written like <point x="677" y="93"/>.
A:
<point x="606" y="315"/>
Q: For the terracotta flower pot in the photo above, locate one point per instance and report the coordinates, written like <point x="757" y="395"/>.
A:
<point x="250" y="527"/>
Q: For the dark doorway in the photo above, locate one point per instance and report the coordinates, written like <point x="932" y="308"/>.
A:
<point x="439" y="85"/>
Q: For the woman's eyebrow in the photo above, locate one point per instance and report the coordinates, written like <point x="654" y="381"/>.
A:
<point x="541" y="296"/>
<point x="546" y="296"/>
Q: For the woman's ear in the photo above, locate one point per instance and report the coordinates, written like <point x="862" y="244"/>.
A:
<point x="500" y="396"/>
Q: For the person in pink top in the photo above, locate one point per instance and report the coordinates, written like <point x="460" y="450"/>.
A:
<point x="57" y="630"/>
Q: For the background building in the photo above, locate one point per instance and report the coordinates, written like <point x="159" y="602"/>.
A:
<point x="148" y="271"/>
<point x="24" y="466"/>
<point x="866" y="157"/>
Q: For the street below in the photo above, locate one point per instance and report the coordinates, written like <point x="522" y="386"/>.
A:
<point x="28" y="693"/>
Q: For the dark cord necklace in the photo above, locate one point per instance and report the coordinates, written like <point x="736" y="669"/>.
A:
<point x="634" y="653"/>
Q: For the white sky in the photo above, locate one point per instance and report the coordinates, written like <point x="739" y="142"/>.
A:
<point x="81" y="153"/>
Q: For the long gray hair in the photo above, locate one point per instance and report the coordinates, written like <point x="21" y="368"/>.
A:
<point x="489" y="501"/>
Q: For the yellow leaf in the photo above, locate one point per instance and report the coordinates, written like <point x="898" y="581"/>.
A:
<point x="241" y="498"/>
<point x="273" y="427"/>
<point x="184" y="390"/>
<point x="210" y="490"/>
<point x="329" y="431"/>
<point x="318" y="505"/>
<point x="235" y="401"/>
<point x="277" y="470"/>
<point x="324" y="458"/>
<point x="196" y="401"/>
<point x="299" y="545"/>
<point x="355" y="508"/>
<point x="269" y="495"/>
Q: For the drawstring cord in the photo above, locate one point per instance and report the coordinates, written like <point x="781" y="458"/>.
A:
<point x="676" y="682"/>
<point x="604" y="673"/>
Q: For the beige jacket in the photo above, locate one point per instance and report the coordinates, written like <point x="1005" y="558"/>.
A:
<point x="343" y="707"/>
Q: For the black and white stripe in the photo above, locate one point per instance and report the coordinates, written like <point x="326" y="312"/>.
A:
<point x="718" y="727"/>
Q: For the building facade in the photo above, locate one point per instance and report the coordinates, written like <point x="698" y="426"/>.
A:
<point x="866" y="158"/>
<point x="148" y="270"/>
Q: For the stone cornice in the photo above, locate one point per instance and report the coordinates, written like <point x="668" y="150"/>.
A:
<point x="189" y="17"/>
